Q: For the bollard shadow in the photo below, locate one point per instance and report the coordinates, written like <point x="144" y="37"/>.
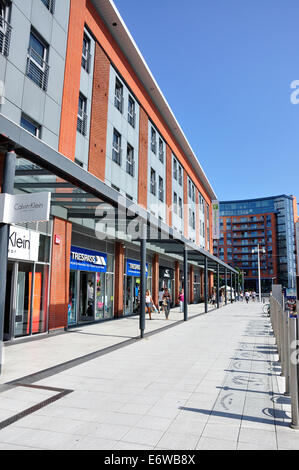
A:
<point x="271" y="413"/>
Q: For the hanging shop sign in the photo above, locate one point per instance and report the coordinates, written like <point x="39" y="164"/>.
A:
<point x="23" y="244"/>
<point x="166" y="273"/>
<point x="133" y="268"/>
<point x="216" y="220"/>
<point x="88" y="260"/>
<point x="24" y="208"/>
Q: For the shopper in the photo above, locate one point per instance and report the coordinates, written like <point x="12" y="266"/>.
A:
<point x="160" y="297"/>
<point x="148" y="303"/>
<point x="181" y="300"/>
<point x="247" y="296"/>
<point x="166" y="300"/>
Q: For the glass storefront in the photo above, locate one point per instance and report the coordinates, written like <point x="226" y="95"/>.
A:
<point x="132" y="285"/>
<point x="166" y="281"/>
<point x="91" y="286"/>
<point x="27" y="289"/>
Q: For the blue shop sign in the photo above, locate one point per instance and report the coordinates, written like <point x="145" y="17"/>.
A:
<point x="88" y="260"/>
<point x="133" y="268"/>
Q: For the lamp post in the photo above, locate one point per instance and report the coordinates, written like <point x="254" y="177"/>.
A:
<point x="262" y="250"/>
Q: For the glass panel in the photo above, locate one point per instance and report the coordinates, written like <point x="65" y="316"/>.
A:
<point x="72" y="298"/>
<point x="86" y="298"/>
<point x="100" y="296"/>
<point x="23" y="294"/>
<point x="109" y="297"/>
<point x="40" y="299"/>
<point x="9" y="286"/>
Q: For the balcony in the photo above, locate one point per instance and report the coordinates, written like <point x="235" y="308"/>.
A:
<point x="37" y="69"/>
<point x="5" y="36"/>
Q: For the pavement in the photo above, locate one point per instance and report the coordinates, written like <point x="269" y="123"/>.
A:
<point x="212" y="383"/>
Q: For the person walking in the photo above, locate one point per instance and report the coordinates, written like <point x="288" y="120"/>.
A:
<point x="247" y="296"/>
<point x="181" y="300"/>
<point x="160" y="297"/>
<point x="167" y="300"/>
<point x="148" y="303"/>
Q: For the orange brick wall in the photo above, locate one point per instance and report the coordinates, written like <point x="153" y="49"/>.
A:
<point x="143" y="159"/>
<point x="99" y="114"/>
<point x="60" y="274"/>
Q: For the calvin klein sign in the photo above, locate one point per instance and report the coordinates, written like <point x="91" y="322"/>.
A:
<point x="24" y="208"/>
<point x="23" y="244"/>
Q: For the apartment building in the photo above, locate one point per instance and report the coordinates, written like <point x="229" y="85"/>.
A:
<point x="88" y="123"/>
<point x="267" y="224"/>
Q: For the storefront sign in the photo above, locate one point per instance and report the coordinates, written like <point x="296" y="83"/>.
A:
<point x="24" y="208"/>
<point x="88" y="260"/>
<point x="133" y="268"/>
<point x="216" y="220"/>
<point x="166" y="273"/>
<point x="23" y="244"/>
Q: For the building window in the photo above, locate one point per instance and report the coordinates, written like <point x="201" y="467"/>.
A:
<point x="180" y="175"/>
<point x="82" y="116"/>
<point x="175" y="169"/>
<point x="153" y="140"/>
<point x="153" y="187"/>
<point x="189" y="189"/>
<point x="175" y="203"/>
<point x="130" y="160"/>
<point x="116" y="147"/>
<point x="131" y="112"/>
<point x="5" y="29"/>
<point x="119" y="99"/>
<point x="50" y="4"/>
<point x="86" y="55"/>
<point x="31" y="126"/>
<point x="37" y="66"/>
<point x="161" y="150"/>
<point x="161" y="189"/>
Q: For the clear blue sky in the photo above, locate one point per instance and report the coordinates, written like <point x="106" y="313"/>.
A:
<point x="225" y="68"/>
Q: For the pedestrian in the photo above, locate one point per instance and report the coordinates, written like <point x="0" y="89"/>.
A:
<point x="241" y="296"/>
<point x="247" y="296"/>
<point x="181" y="300"/>
<point x="148" y="303"/>
<point x="166" y="300"/>
<point x="213" y="298"/>
<point x="253" y="296"/>
<point x="160" y="297"/>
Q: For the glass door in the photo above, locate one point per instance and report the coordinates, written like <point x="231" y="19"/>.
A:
<point x="87" y="297"/>
<point x="100" y="296"/>
<point x="72" y="305"/>
<point x="8" y="303"/>
<point x="23" y="299"/>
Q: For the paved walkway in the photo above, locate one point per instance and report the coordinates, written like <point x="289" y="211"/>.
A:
<point x="211" y="383"/>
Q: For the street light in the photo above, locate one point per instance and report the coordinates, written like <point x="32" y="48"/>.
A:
<point x="262" y="250"/>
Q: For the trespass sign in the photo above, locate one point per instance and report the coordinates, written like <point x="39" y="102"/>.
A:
<point x="88" y="260"/>
<point x="23" y="244"/>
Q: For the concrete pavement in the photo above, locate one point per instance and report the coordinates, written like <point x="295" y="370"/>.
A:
<point x="210" y="383"/>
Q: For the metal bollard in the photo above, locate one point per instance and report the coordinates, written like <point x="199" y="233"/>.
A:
<point x="287" y="353"/>
<point x="293" y="373"/>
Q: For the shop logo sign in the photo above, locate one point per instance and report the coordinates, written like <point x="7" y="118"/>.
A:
<point x="88" y="260"/>
<point x="133" y="268"/>
<point x="24" y="208"/>
<point x="23" y="244"/>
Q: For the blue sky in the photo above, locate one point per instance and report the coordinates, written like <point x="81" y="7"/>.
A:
<point x="226" y="68"/>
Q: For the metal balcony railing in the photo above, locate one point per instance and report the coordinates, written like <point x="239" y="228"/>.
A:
<point x="82" y="123"/>
<point x="37" y="69"/>
<point x="5" y="37"/>
<point x="116" y="153"/>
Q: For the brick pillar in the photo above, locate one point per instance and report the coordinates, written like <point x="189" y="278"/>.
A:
<point x="211" y="283"/>
<point x="119" y="280"/>
<point x="155" y="278"/>
<point x="191" y="283"/>
<point x="176" y="282"/>
<point x="60" y="275"/>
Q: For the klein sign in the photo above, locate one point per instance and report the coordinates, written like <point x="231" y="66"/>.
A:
<point x="24" y="208"/>
<point x="23" y="244"/>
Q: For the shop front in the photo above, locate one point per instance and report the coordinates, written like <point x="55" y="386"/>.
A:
<point x="196" y="288"/>
<point x="91" y="286"/>
<point x="132" y="285"/>
<point x="27" y="289"/>
<point x="166" y="281"/>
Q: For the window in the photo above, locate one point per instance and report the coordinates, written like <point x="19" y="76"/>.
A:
<point x="175" y="203"/>
<point x="180" y="208"/>
<point x="161" y="150"/>
<point x="130" y="160"/>
<point x="161" y="189"/>
<point x="175" y="169"/>
<point x="153" y="140"/>
<point x="31" y="126"/>
<point x="131" y="112"/>
<point x="153" y="188"/>
<point x="50" y="4"/>
<point x="5" y="29"/>
<point x="190" y="189"/>
<point x="82" y="116"/>
<point x="37" y="67"/>
<point x="119" y="99"/>
<point x="86" y="55"/>
<point x="180" y="175"/>
<point x="116" y="147"/>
